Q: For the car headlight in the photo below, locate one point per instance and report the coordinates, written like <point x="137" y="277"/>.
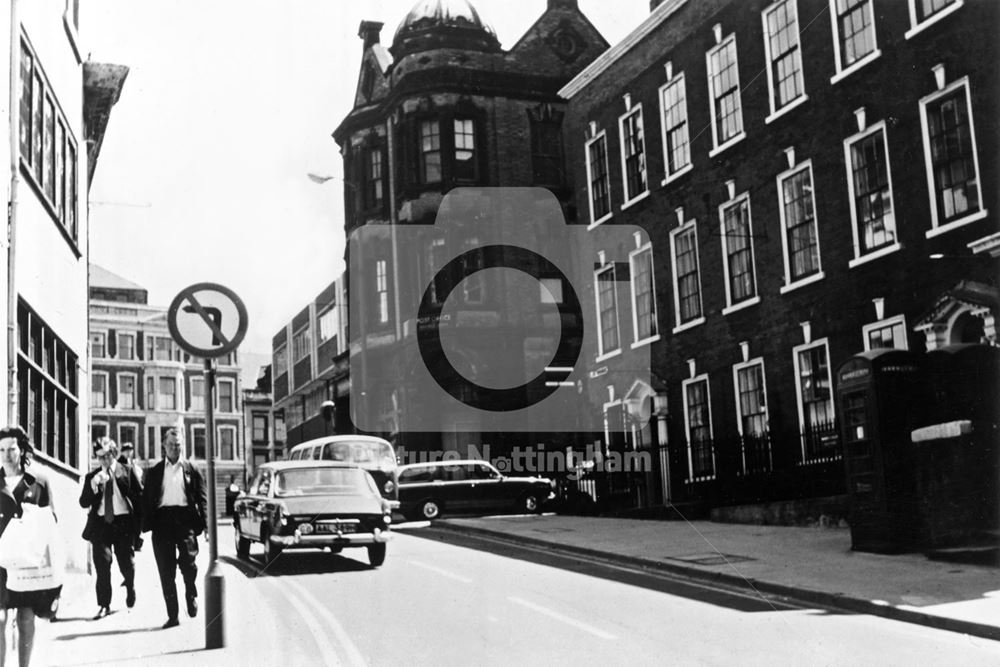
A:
<point x="388" y="486"/>
<point x="305" y="528"/>
<point x="387" y="519"/>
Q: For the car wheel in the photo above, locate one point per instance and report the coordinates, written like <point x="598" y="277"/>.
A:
<point x="271" y="550"/>
<point x="242" y="543"/>
<point x="530" y="503"/>
<point x="376" y="554"/>
<point x="430" y="510"/>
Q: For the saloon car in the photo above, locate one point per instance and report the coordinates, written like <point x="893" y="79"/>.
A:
<point x="312" y="504"/>
<point x="426" y="490"/>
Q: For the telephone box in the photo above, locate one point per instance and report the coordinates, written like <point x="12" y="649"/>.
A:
<point x="880" y="396"/>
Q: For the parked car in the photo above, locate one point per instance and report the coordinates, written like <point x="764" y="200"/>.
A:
<point x="312" y="504"/>
<point x="426" y="490"/>
<point x="366" y="451"/>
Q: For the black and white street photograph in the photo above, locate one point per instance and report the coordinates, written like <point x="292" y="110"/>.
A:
<point x="500" y="332"/>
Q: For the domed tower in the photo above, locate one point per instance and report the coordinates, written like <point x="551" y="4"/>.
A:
<point x="433" y="24"/>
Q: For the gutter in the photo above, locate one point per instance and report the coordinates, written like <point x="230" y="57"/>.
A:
<point x="15" y="160"/>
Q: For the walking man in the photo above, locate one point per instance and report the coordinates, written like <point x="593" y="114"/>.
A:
<point x="174" y="507"/>
<point x="113" y="495"/>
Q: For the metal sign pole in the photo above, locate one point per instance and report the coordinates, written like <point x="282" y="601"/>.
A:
<point x="215" y="636"/>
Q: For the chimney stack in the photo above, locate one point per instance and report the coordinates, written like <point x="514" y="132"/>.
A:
<point x="369" y="32"/>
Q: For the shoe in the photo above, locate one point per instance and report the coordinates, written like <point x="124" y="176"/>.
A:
<point x="130" y="597"/>
<point x="192" y="607"/>
<point x="102" y="612"/>
<point x="172" y="622"/>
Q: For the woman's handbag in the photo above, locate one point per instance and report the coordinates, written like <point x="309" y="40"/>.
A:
<point x="34" y="556"/>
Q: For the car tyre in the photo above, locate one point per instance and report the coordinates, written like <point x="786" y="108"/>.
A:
<point x="242" y="543"/>
<point x="271" y="550"/>
<point x="376" y="554"/>
<point x="530" y="503"/>
<point x="429" y="510"/>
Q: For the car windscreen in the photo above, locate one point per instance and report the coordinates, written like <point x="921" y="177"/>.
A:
<point x="322" y="482"/>
<point x="368" y="455"/>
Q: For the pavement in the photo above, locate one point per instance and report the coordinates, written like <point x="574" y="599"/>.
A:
<point x="812" y="565"/>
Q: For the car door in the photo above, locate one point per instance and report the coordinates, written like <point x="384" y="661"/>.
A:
<point x="486" y="488"/>
<point x="458" y="487"/>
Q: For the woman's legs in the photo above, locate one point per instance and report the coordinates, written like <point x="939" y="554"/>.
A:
<point x="25" y="635"/>
<point x="3" y="637"/>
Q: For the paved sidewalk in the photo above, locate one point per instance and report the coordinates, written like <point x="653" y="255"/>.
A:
<point x="814" y="565"/>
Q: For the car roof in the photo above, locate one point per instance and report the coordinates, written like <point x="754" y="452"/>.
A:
<point x="340" y="438"/>
<point x="444" y="463"/>
<point x="308" y="463"/>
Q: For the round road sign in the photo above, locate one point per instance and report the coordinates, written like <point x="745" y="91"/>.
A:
<point x="207" y="320"/>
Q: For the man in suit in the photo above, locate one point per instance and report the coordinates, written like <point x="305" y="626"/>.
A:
<point x="113" y="495"/>
<point x="174" y="508"/>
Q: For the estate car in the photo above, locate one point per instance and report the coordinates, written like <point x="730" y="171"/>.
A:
<point x="366" y="451"/>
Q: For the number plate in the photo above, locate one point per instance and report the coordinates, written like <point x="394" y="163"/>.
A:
<point x="334" y="528"/>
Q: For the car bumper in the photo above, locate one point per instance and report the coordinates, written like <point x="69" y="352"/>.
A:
<point x="319" y="540"/>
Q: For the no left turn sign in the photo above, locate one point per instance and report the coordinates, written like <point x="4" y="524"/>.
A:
<point x="207" y="320"/>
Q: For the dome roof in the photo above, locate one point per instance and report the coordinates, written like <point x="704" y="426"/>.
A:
<point x="446" y="23"/>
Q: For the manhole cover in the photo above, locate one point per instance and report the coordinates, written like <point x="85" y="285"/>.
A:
<point x="713" y="558"/>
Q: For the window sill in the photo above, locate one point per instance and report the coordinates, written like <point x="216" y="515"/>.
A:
<point x="955" y="224"/>
<point x="732" y="142"/>
<point x="741" y="305"/>
<point x="775" y="115"/>
<point x="677" y="174"/>
<point x="645" y="341"/>
<point x="635" y="200"/>
<point x="698" y="321"/>
<point x="844" y="73"/>
<point x="917" y="29"/>
<point x="599" y="221"/>
<point x="876" y="254"/>
<point x="607" y="355"/>
<point x="816" y="277"/>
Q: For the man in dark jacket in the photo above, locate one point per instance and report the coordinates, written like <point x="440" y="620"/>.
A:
<point x="174" y="508"/>
<point x="113" y="495"/>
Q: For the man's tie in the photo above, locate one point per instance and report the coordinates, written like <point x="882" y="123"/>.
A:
<point x="109" y="501"/>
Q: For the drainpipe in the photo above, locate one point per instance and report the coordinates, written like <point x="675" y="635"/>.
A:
<point x="15" y="153"/>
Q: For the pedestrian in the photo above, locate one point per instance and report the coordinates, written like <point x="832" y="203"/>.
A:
<point x="113" y="494"/>
<point x="174" y="509"/>
<point x="232" y="493"/>
<point x="20" y="486"/>
<point x="128" y="458"/>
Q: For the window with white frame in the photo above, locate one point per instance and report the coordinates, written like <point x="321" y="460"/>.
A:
<point x="98" y="389"/>
<point x="888" y="333"/>
<point x="643" y="294"/>
<point x="687" y="273"/>
<point x="950" y="151"/>
<point x="927" y="12"/>
<point x="800" y="238"/>
<point x="737" y="249"/>
<point x="784" y="55"/>
<point x="329" y="323"/>
<point x="598" y="183"/>
<point x="466" y="163"/>
<point x="150" y="393"/>
<point x="698" y="425"/>
<point x="227" y="393"/>
<point x="751" y="397"/>
<point x="126" y="391"/>
<point x="676" y="142"/>
<point x="430" y="151"/>
<point x="227" y="443"/>
<point x="198" y="448"/>
<point x="854" y="41"/>
<point x="870" y="186"/>
<point x="197" y="385"/>
<point x="167" y="393"/>
<point x="724" y="94"/>
<point x="633" y="154"/>
<point x="301" y="344"/>
<point x="259" y="432"/>
<point x="126" y="346"/>
<point x="814" y="391"/>
<point x="607" y="310"/>
<point x="382" y="291"/>
<point x="98" y="345"/>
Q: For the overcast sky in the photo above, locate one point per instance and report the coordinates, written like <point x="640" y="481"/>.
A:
<point x="227" y="106"/>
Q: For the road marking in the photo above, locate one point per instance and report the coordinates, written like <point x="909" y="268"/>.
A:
<point x="443" y="573"/>
<point x="327" y="652"/>
<point x="565" y="619"/>
<point x="354" y="656"/>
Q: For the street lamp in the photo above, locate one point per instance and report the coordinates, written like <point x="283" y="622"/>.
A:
<point x="328" y="409"/>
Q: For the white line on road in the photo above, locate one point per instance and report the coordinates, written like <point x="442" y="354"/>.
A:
<point x="327" y="652"/>
<point x="443" y="573"/>
<point x="353" y="654"/>
<point x="565" y="619"/>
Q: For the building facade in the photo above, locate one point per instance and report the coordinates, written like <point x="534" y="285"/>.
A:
<point x="142" y="383"/>
<point x="815" y="178"/>
<point x="444" y="106"/>
<point x="258" y="431"/>
<point x="60" y="112"/>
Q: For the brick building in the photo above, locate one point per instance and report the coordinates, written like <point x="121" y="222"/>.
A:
<point x="444" y="106"/>
<point x="816" y="180"/>
<point x="141" y="382"/>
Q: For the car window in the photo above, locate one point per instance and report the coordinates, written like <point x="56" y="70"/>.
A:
<point x="337" y="451"/>
<point x="296" y="455"/>
<point x="454" y="473"/>
<point x="324" y="481"/>
<point x="483" y="471"/>
<point x="416" y="475"/>
<point x="264" y="483"/>
<point x="255" y="483"/>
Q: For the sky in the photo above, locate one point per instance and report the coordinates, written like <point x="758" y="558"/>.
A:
<point x="227" y="107"/>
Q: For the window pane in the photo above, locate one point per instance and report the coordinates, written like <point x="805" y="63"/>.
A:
<point x="599" y="193"/>
<point x="739" y="258"/>
<point x="725" y="89"/>
<point x="956" y="182"/>
<point x="800" y="225"/>
<point x="786" y="58"/>
<point x="676" y="127"/>
<point x="872" y="198"/>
